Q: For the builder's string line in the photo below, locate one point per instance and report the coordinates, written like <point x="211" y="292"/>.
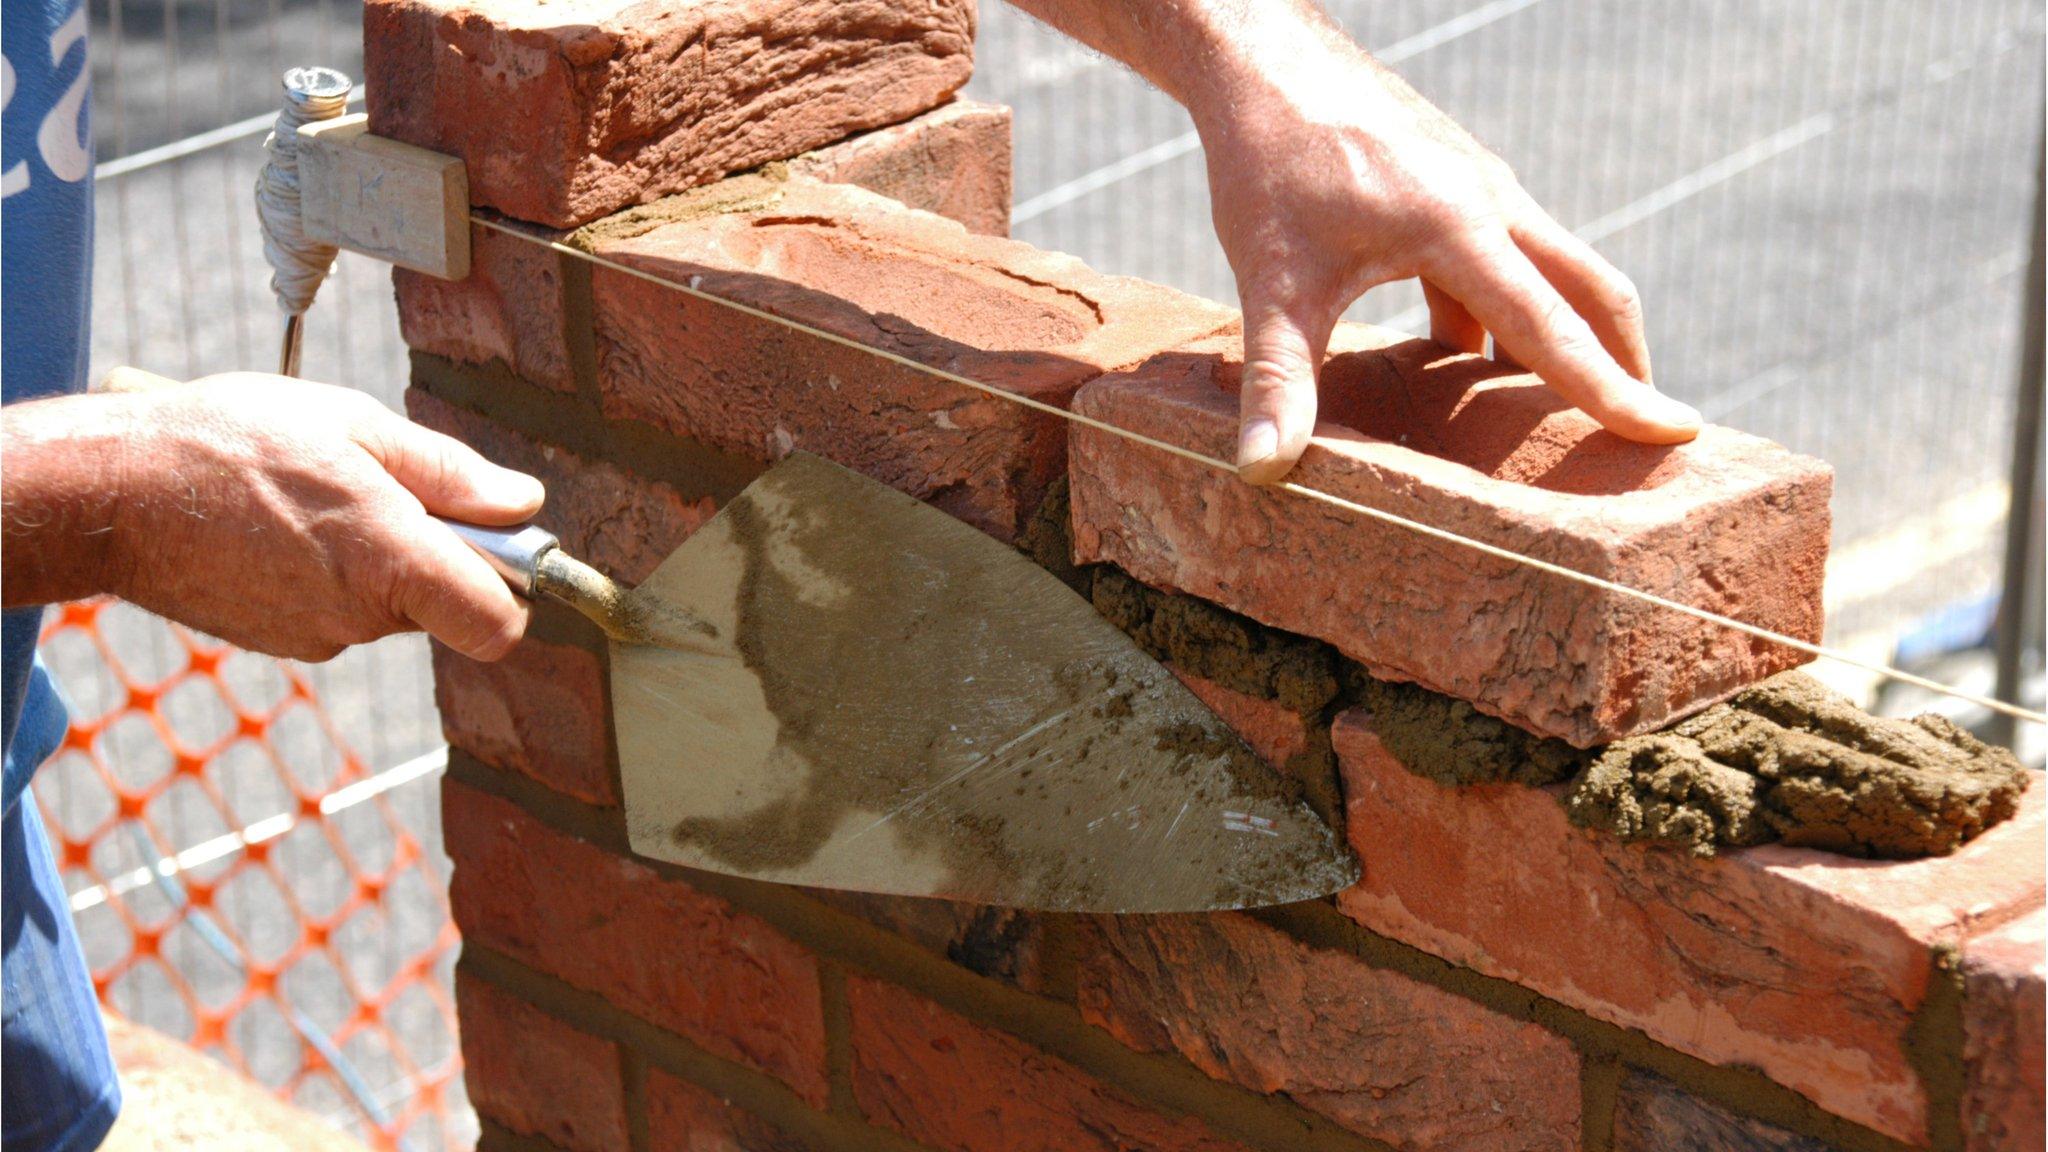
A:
<point x="1815" y="650"/>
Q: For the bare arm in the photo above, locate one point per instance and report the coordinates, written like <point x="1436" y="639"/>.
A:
<point x="285" y="517"/>
<point x="1329" y="175"/>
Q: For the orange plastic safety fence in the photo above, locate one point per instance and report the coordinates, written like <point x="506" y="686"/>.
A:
<point x="316" y="956"/>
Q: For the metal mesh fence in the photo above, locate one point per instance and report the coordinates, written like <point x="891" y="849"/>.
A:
<point x="1826" y="207"/>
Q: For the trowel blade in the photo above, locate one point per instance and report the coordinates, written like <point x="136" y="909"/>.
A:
<point x="894" y="702"/>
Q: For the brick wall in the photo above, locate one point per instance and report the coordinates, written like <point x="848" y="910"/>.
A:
<point x="1502" y="979"/>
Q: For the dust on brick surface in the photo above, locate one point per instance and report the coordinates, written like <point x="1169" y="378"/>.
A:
<point x="1784" y="761"/>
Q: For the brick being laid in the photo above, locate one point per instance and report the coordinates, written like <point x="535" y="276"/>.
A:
<point x="1034" y="323"/>
<point x="564" y="112"/>
<point x="1730" y="523"/>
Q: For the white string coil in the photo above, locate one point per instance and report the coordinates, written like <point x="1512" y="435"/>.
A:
<point x="297" y="265"/>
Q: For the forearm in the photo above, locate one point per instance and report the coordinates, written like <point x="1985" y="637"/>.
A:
<point x="60" y="497"/>
<point x="1210" y="55"/>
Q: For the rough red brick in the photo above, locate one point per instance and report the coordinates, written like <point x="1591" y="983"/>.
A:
<point x="1271" y="729"/>
<point x="508" y="309"/>
<point x="853" y="264"/>
<point x="1729" y="522"/>
<point x="616" y="520"/>
<point x="1002" y="943"/>
<point x="1379" y="1052"/>
<point x="682" y="1117"/>
<point x="563" y="114"/>
<point x="540" y="711"/>
<point x="1805" y="965"/>
<point x="654" y="947"/>
<point x="953" y="160"/>
<point x="946" y="1082"/>
<point x="1651" y="1114"/>
<point x="2004" y="1024"/>
<point x="536" y="1075"/>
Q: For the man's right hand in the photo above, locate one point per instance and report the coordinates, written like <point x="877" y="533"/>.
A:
<point x="1329" y="175"/>
<point x="281" y="516"/>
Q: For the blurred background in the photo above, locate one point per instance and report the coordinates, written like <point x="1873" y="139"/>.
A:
<point x="1831" y="210"/>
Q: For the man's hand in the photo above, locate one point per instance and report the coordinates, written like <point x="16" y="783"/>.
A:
<point x="1328" y="176"/>
<point x="281" y="516"/>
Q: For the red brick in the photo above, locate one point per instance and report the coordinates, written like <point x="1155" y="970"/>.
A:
<point x="509" y="310"/>
<point x="2004" y="1023"/>
<point x="1651" y="1114"/>
<point x="1379" y="1052"/>
<point x="953" y="160"/>
<point x="861" y="267"/>
<point x="1729" y="522"/>
<point x="619" y="521"/>
<point x="946" y="1082"/>
<point x="538" y="1076"/>
<point x="1271" y="729"/>
<point x="540" y="711"/>
<point x="1805" y="965"/>
<point x="682" y="1117"/>
<point x="565" y="114"/>
<point x="654" y="947"/>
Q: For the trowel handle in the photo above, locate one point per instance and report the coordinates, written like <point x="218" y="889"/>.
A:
<point x="534" y="564"/>
<point x="515" y="552"/>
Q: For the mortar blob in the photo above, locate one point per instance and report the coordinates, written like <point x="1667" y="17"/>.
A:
<point x="1784" y="761"/>
<point x="1788" y="760"/>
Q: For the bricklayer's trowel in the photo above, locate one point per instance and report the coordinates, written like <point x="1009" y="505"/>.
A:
<point x="834" y="684"/>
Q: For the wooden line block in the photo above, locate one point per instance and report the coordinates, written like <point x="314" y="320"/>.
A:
<point x="396" y="202"/>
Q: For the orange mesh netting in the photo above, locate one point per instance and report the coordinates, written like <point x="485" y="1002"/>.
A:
<point x="242" y="881"/>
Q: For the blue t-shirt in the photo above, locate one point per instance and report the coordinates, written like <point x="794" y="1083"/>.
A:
<point x="58" y="1091"/>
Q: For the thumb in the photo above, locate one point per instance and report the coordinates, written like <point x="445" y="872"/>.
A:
<point x="449" y="477"/>
<point x="452" y="594"/>
<point x="1277" y="395"/>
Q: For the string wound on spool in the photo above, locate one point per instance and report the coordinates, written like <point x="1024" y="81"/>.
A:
<point x="297" y="263"/>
